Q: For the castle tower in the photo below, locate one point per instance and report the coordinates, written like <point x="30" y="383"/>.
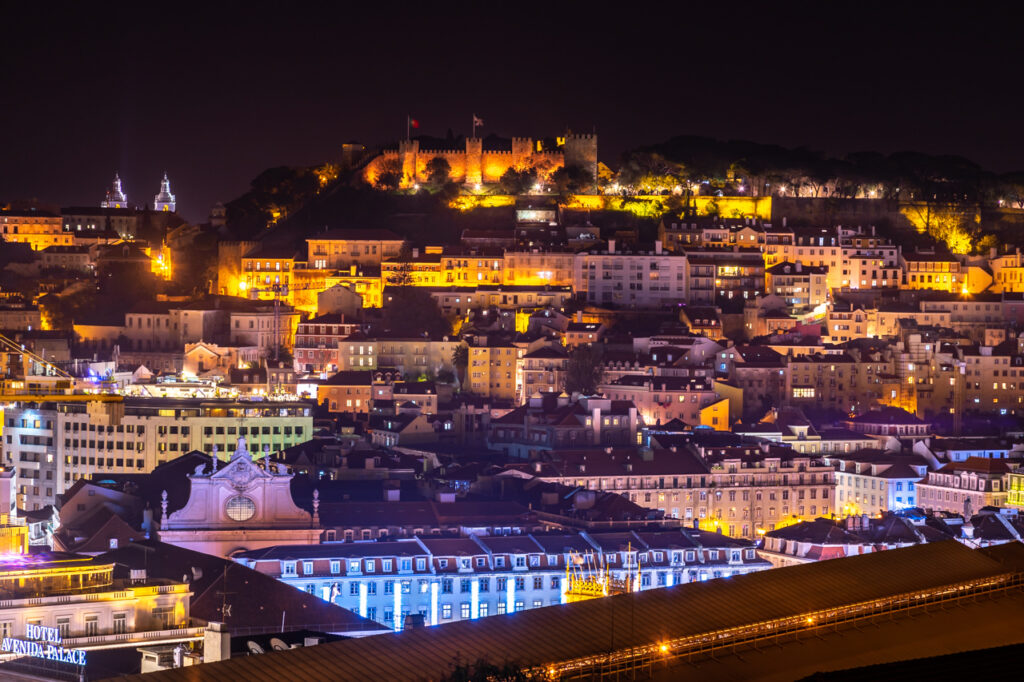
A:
<point x="522" y="149"/>
<point x="115" y="195"/>
<point x="408" y="150"/>
<point x="164" y="201"/>
<point x="474" y="160"/>
<point x="581" y="150"/>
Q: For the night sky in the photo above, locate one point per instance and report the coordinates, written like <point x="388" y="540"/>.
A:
<point x="215" y="97"/>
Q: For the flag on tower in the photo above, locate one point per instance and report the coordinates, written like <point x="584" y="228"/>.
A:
<point x="477" y="121"/>
<point x="414" y="123"/>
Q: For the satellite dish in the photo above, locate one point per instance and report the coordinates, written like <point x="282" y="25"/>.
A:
<point x="254" y="648"/>
<point x="277" y="645"/>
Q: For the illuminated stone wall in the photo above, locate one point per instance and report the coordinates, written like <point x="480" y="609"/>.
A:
<point x="473" y="164"/>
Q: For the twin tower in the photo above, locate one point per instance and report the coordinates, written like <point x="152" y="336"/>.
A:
<point x="474" y="164"/>
<point x="163" y="201"/>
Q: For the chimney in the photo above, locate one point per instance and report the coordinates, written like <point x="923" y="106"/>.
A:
<point x="216" y="643"/>
<point x="579" y="316"/>
<point x="595" y="417"/>
<point x="416" y="252"/>
<point x="799" y="266"/>
<point x="611" y="246"/>
<point x="783" y="221"/>
<point x="657" y="247"/>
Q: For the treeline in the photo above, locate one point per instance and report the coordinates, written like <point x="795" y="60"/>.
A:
<point x="743" y="167"/>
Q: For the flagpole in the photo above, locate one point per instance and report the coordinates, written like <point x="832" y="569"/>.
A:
<point x="474" y="126"/>
<point x="408" y="122"/>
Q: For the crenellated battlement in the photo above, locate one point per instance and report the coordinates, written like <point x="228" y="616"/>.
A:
<point x="474" y="164"/>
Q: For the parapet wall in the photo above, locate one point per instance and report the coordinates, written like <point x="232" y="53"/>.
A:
<point x="473" y="164"/>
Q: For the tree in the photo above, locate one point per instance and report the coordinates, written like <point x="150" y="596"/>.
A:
<point x="438" y="171"/>
<point x="584" y="371"/>
<point x="390" y="176"/>
<point x="460" y="359"/>
<point x="412" y="312"/>
<point x="514" y="181"/>
<point x="571" y="178"/>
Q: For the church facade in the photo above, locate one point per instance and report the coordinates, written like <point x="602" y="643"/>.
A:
<point x="237" y="507"/>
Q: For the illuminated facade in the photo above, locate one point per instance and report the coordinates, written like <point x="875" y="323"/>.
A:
<point x="447" y="579"/>
<point x="239" y="506"/>
<point x="932" y="271"/>
<point x="651" y="278"/>
<point x="965" y="487"/>
<point x="492" y="369"/>
<point x="89" y="608"/>
<point x="660" y="399"/>
<point x="473" y="164"/>
<point x="116" y="197"/>
<point x="164" y="200"/>
<point x="798" y="285"/>
<point x="540" y="268"/>
<point x="38" y="229"/>
<point x="56" y="444"/>
<point x="873" y="482"/>
<point x="337" y="249"/>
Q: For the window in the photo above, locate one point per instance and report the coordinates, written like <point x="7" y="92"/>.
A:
<point x="120" y="623"/>
<point x="92" y="623"/>
<point x="64" y="626"/>
<point x="464" y="610"/>
<point x="240" y="508"/>
<point x="446" y="611"/>
<point x="307" y="568"/>
<point x="335" y="567"/>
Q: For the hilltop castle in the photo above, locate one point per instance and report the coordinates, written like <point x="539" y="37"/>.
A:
<point x="475" y="164"/>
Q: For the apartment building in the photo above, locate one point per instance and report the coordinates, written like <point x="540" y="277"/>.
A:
<point x="737" y="273"/>
<point x="965" y="487"/>
<point x="338" y="249"/>
<point x="643" y="278"/>
<point x="797" y="285"/>
<point x="538" y="267"/>
<point x="873" y="482"/>
<point x="56" y="443"/>
<point x="493" y="367"/>
<point x="318" y="340"/>
<point x="38" y="229"/>
<point x="540" y="370"/>
<point x="446" y="579"/>
<point x="660" y="399"/>
<point x="932" y="270"/>
<point x="738" y="491"/>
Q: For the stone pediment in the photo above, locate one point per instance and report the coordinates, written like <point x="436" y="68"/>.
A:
<point x="241" y="470"/>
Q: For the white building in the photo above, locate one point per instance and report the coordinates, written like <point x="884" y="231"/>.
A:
<point x="635" y="279"/>
<point x="54" y="444"/>
<point x="447" y="579"/>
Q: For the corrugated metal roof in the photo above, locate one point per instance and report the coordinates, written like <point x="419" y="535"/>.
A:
<point x="554" y="634"/>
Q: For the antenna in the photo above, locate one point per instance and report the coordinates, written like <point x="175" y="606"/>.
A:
<point x="225" y="608"/>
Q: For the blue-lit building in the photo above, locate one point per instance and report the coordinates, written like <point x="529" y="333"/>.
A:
<point x="447" y="579"/>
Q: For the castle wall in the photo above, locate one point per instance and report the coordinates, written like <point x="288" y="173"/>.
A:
<point x="473" y="165"/>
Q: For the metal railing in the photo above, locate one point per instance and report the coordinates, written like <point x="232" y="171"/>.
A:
<point x="637" y="659"/>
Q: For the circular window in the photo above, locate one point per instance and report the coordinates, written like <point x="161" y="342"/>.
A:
<point x="240" y="508"/>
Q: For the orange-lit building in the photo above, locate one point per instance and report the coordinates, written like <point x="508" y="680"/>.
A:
<point x="931" y="270"/>
<point x="38" y="229"/>
<point x="337" y="249"/>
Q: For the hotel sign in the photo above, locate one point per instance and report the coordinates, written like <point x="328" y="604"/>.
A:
<point x="42" y="642"/>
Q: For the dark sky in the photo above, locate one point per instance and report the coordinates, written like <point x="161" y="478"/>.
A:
<point x="215" y="96"/>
